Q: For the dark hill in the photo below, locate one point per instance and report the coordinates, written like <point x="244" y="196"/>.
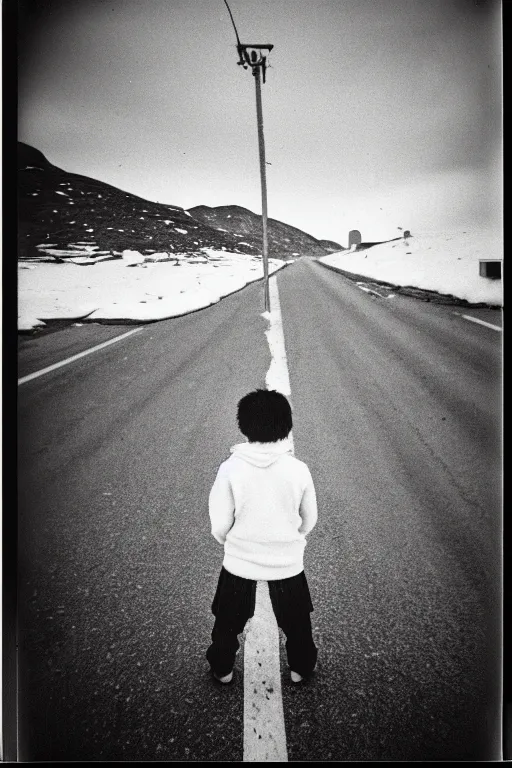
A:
<point x="61" y="214"/>
<point x="60" y="209"/>
<point x="284" y="241"/>
<point x="331" y="247"/>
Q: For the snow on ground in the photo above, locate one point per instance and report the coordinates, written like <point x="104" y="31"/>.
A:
<point x="136" y="289"/>
<point x="447" y="263"/>
<point x="130" y="289"/>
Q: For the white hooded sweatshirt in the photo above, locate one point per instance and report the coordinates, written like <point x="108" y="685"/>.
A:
<point x="262" y="505"/>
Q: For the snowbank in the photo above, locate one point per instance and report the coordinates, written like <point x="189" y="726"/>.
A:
<point x="142" y="289"/>
<point x="128" y="289"/>
<point x="447" y="263"/>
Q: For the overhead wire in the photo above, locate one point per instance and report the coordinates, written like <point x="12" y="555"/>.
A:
<point x="234" y="25"/>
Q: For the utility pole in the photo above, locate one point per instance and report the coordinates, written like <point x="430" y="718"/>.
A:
<point x="255" y="56"/>
<point x="263" y="173"/>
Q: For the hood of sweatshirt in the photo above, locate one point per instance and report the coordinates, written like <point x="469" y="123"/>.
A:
<point x="262" y="454"/>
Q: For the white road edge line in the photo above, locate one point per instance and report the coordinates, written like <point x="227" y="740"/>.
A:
<point x="480" y="322"/>
<point x="371" y="290"/>
<point x="76" y="357"/>
<point x="264" y="728"/>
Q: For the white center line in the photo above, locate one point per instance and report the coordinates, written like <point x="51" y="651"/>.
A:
<point x="277" y="375"/>
<point x="264" y="729"/>
<point x="75" y="357"/>
<point x="480" y="322"/>
<point x="264" y="732"/>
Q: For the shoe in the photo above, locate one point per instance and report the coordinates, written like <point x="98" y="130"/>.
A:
<point x="225" y="678"/>
<point x="296" y="678"/>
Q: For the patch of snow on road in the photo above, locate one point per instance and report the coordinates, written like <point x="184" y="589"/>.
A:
<point x="444" y="262"/>
<point x="277" y="375"/>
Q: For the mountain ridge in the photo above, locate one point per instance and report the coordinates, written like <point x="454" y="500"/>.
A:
<point x="60" y="213"/>
<point x="282" y="238"/>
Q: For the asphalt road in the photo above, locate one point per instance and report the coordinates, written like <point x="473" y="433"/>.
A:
<point x="396" y="411"/>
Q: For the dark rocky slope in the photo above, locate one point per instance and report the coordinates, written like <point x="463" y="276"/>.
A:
<point x="67" y="212"/>
<point x="61" y="215"/>
<point x="284" y="241"/>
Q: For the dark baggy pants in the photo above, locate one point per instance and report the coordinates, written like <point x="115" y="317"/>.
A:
<point x="233" y="605"/>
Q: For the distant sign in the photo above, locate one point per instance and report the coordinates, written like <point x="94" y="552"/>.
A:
<point x="354" y="237"/>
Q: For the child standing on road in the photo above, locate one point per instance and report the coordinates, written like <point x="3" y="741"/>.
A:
<point x="262" y="505"/>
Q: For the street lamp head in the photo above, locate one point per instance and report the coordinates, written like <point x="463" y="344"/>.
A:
<point x="253" y="55"/>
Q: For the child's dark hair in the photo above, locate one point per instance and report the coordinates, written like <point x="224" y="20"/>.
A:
<point x="264" y="416"/>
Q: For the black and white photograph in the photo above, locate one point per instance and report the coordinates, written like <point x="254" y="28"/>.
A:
<point x="259" y="397"/>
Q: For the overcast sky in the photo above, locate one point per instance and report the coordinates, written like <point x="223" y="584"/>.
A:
<point x="378" y="114"/>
